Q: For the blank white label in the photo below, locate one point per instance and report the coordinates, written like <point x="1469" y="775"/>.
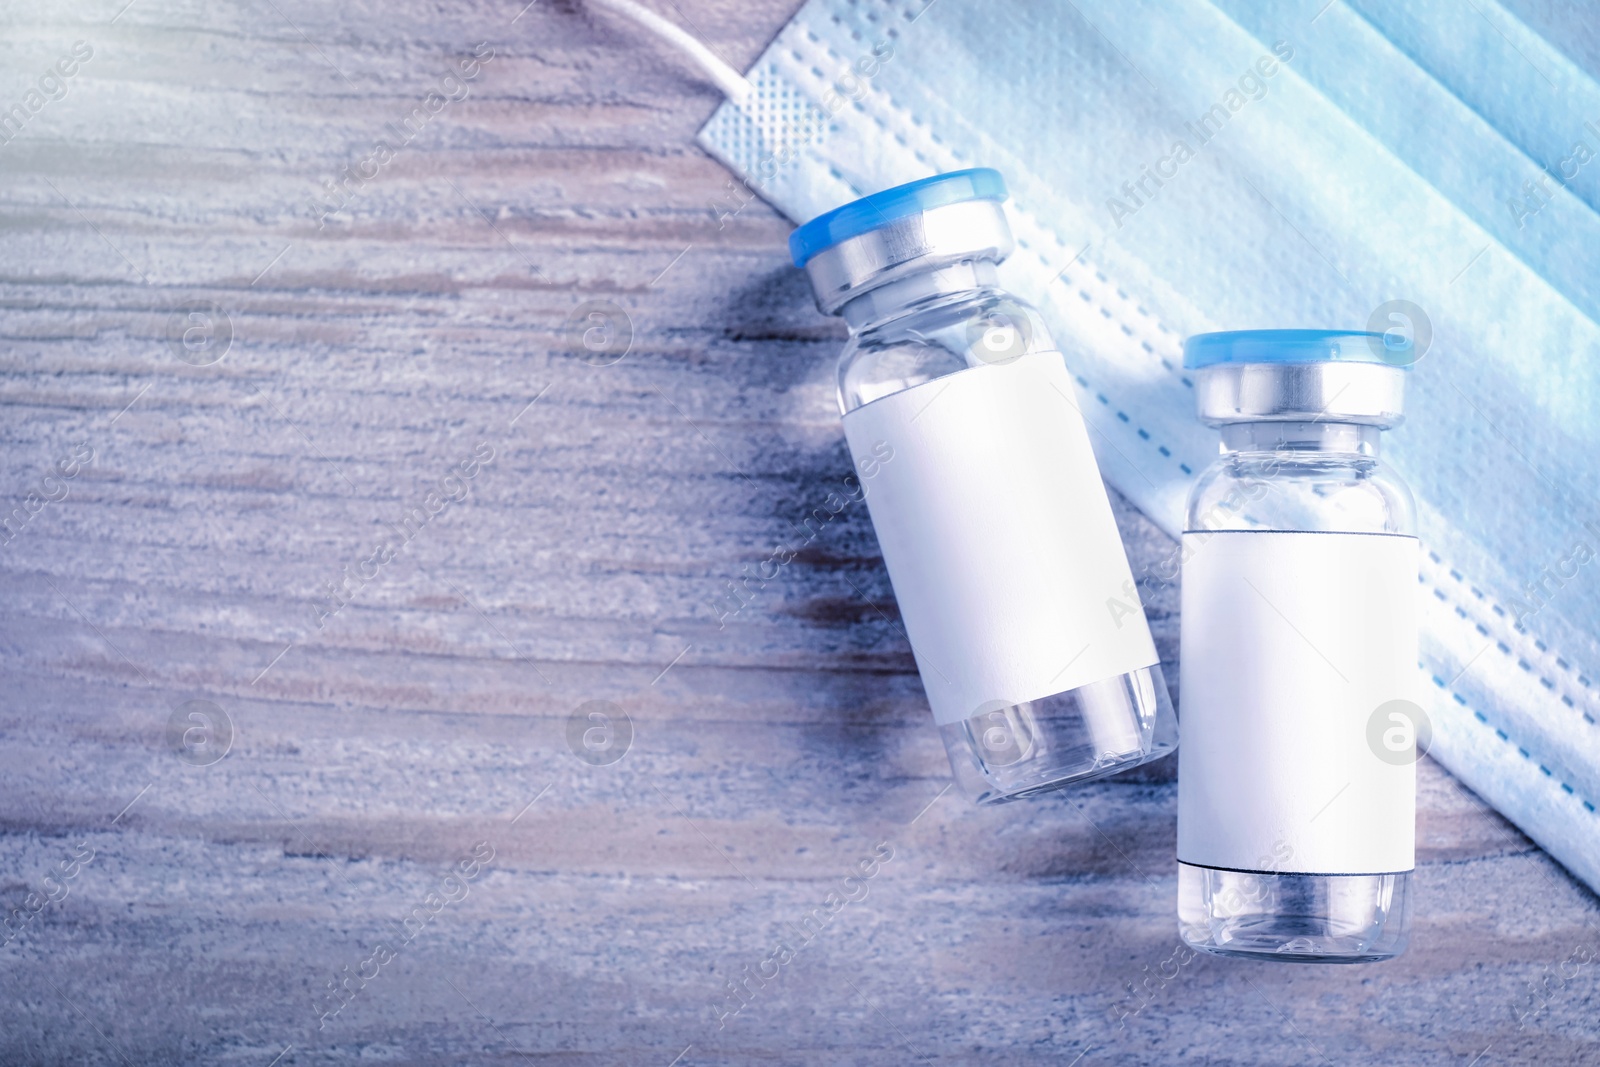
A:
<point x="1292" y="645"/>
<point x="998" y="536"/>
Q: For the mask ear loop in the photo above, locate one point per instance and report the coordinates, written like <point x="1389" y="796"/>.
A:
<point x="733" y="84"/>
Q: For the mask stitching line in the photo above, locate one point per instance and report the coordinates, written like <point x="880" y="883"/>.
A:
<point x="874" y="91"/>
<point x="1500" y="633"/>
<point x="1170" y="341"/>
<point x="1481" y="718"/>
<point x="1102" y="304"/>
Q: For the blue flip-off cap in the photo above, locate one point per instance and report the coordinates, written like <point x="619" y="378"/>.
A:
<point x="1297" y="346"/>
<point x="880" y="209"/>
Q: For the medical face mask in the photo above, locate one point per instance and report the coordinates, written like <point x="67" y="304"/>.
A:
<point x="1424" y="170"/>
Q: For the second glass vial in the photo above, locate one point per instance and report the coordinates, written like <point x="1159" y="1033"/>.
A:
<point x="1297" y="778"/>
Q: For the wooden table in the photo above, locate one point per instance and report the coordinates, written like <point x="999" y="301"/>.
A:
<point x="276" y="522"/>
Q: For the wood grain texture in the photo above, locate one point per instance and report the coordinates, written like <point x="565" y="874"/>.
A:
<point x="376" y="746"/>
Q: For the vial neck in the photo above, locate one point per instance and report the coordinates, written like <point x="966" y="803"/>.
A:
<point x="917" y="291"/>
<point x="1334" y="437"/>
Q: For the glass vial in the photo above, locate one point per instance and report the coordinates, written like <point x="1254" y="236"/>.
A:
<point x="1298" y="663"/>
<point x="975" y="462"/>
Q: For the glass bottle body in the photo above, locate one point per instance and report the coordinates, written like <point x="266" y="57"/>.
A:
<point x="1303" y="478"/>
<point x="915" y="332"/>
